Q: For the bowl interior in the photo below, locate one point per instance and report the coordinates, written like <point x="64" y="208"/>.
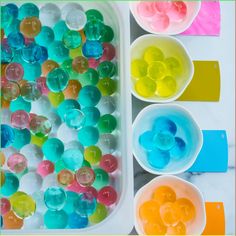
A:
<point x="171" y="47"/>
<point x="182" y="189"/>
<point x="193" y="8"/>
<point x="187" y="129"/>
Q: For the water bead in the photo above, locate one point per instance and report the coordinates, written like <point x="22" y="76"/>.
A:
<point x="31" y="182"/>
<point x="92" y="49"/>
<point x="55" y="198"/>
<point x="99" y="215"/>
<point x="74" y="145"/>
<point x="108" y="34"/>
<point x="106" y="69"/>
<point x="48" y="66"/>
<point x="67" y="66"/>
<point x="163" y="6"/>
<point x="11" y="221"/>
<point x="90" y="77"/>
<point x="152" y="54"/>
<point x="6" y="17"/>
<point x="60" y="28"/>
<point x="86" y="164"/>
<point x="80" y="64"/>
<point x="92" y="14"/>
<point x="169" y="213"/>
<point x="149" y="211"/>
<point x="57" y="80"/>
<point x="76" y="52"/>
<point x="55" y="121"/>
<point x="94" y="29"/>
<point x="42" y="106"/>
<point x="101" y="178"/>
<point x="7" y="135"/>
<point x="109" y="52"/>
<point x="65" y="106"/>
<point x="92" y="115"/>
<point x="155" y="228"/>
<point x="107" y="105"/>
<point x="22" y="137"/>
<point x="107" y="143"/>
<point x="45" y="168"/>
<point x="65" y="177"/>
<point x="173" y="65"/>
<point x="92" y="154"/>
<point x="75" y="187"/>
<point x="17" y="163"/>
<point x="179" y="149"/>
<point x="34" y="222"/>
<point x="59" y="165"/>
<point x="157" y="70"/>
<point x="93" y="63"/>
<point x="56" y="98"/>
<point x="160" y="22"/>
<point x="69" y="205"/>
<point x="28" y="10"/>
<point x="52" y="149"/>
<point x="75" y="19"/>
<point x="13" y="9"/>
<point x="179" y="229"/>
<point x="16" y="40"/>
<point x="10" y="91"/>
<point x="69" y="7"/>
<point x="39" y="141"/>
<point x="32" y="71"/>
<point x="55" y="219"/>
<point x="107" y="123"/>
<point x="85" y="205"/>
<point x="57" y="51"/>
<point x="75" y="221"/>
<point x="178" y="11"/>
<point x="158" y="159"/>
<point x="2" y="159"/>
<point x="45" y="37"/>
<point x="71" y="134"/>
<point x="107" y="196"/>
<point x="146" y="140"/>
<point x="146" y="9"/>
<point x="30" y="27"/>
<point x="88" y="135"/>
<point x="163" y="123"/>
<point x="5" y="206"/>
<point x="138" y="68"/>
<point x="11" y="184"/>
<point x="49" y="14"/>
<point x="73" y="159"/>
<point x="74" y="118"/>
<point x="164" y="140"/>
<point x="72" y="89"/>
<point x="40" y="126"/>
<point x="31" y="53"/>
<point x="89" y="96"/>
<point x="72" y="39"/>
<point x="30" y="91"/>
<point x="166" y="87"/>
<point x="107" y="86"/>
<point x="13" y="27"/>
<point x="145" y="87"/>
<point x="164" y="194"/>
<point x="6" y="53"/>
<point x="85" y="176"/>
<point x="109" y="163"/>
<point x="14" y="71"/>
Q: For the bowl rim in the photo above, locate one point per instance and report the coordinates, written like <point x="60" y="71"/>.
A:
<point x="156" y="179"/>
<point x="198" y="148"/>
<point x="139" y="22"/>
<point x="181" y="91"/>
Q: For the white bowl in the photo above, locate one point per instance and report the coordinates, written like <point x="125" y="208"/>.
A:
<point x="171" y="47"/>
<point x="182" y="188"/>
<point x="174" y="28"/>
<point x="187" y="128"/>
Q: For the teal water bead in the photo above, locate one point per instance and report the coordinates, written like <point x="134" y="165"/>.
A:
<point x="85" y="205"/>
<point x="65" y="106"/>
<point x="28" y="10"/>
<point x="73" y="159"/>
<point x="31" y="53"/>
<point x="146" y="140"/>
<point x="76" y="221"/>
<point x="106" y="69"/>
<point x="7" y="135"/>
<point x="59" y="165"/>
<point x="55" y="198"/>
<point x="22" y="137"/>
<point x="13" y="27"/>
<point x="60" y="28"/>
<point x="101" y="178"/>
<point x="90" y="77"/>
<point x="179" y="149"/>
<point x="158" y="159"/>
<point x="72" y="39"/>
<point x="88" y="135"/>
<point x="20" y="104"/>
<point x="58" y="52"/>
<point x="92" y="49"/>
<point x="67" y="66"/>
<point x="32" y="71"/>
<point x="108" y="34"/>
<point x="164" y="140"/>
<point x="93" y="14"/>
<point x="11" y="184"/>
<point x="92" y="115"/>
<point x="107" y="123"/>
<point x="57" y="80"/>
<point x="45" y="37"/>
<point x="75" y="119"/>
<point x="71" y="198"/>
<point x="89" y="96"/>
<point x="6" y="17"/>
<point x="53" y="148"/>
<point x="94" y="29"/>
<point x="13" y="9"/>
<point x="55" y="219"/>
<point x="163" y="123"/>
<point x="16" y="40"/>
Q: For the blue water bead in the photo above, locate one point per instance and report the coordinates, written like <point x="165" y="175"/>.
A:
<point x="6" y="53"/>
<point x="179" y="149"/>
<point x="31" y="53"/>
<point x="92" y="49"/>
<point x="88" y="135"/>
<point x="164" y="124"/>
<point x="6" y="17"/>
<point x="28" y="10"/>
<point x="16" y="40"/>
<point x="89" y="96"/>
<point x="13" y="9"/>
<point x="55" y="219"/>
<point x="44" y="54"/>
<point x="146" y="140"/>
<point x="65" y="106"/>
<point x="7" y="136"/>
<point x="158" y="159"/>
<point x="13" y="27"/>
<point x="45" y="37"/>
<point x="20" y="104"/>
<point x="60" y="28"/>
<point x="74" y="118"/>
<point x="57" y="51"/>
<point x="11" y="184"/>
<point x="75" y="221"/>
<point x="73" y="159"/>
<point x="52" y="149"/>
<point x="22" y="137"/>
<point x="164" y="140"/>
<point x="71" y="198"/>
<point x="32" y="71"/>
<point x="92" y="115"/>
<point x="85" y="205"/>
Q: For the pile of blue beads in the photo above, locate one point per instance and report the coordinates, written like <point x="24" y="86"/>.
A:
<point x="58" y="133"/>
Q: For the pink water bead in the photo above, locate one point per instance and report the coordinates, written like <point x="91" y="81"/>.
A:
<point x="93" y="63"/>
<point x="178" y="11"/>
<point x="107" y="195"/>
<point x="76" y="187"/>
<point x="20" y="119"/>
<point x="109" y="163"/>
<point x="41" y="82"/>
<point x="163" y="6"/>
<point x="14" y="71"/>
<point x="17" y="163"/>
<point x="109" y="52"/>
<point x="45" y="168"/>
<point x="146" y="9"/>
<point x="5" y="205"/>
<point x="160" y="22"/>
<point x="90" y="190"/>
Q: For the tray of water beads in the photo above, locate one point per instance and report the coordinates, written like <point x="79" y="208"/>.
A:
<point x="63" y="149"/>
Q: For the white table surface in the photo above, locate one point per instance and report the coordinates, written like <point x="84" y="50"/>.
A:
<point x="215" y="115"/>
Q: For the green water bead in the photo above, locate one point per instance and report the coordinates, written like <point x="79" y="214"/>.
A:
<point x="56" y="98"/>
<point x="94" y="29"/>
<point x="106" y="69"/>
<point x="20" y="104"/>
<point x="92" y="14"/>
<point x="107" y="86"/>
<point x="72" y="39"/>
<point x="67" y="66"/>
<point x="60" y="28"/>
<point x="59" y="165"/>
<point x="86" y="163"/>
<point x="93" y="154"/>
<point x="58" y="52"/>
<point x="55" y="219"/>
<point x="90" y="77"/>
<point x="99" y="215"/>
<point x="108" y="34"/>
<point x="107" y="123"/>
<point x="39" y="141"/>
<point x="10" y="185"/>
<point x="101" y="178"/>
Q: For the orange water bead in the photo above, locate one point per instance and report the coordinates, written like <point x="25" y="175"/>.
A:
<point x="30" y="27"/>
<point x="156" y="228"/>
<point x="11" y="221"/>
<point x="179" y="229"/>
<point x="83" y="37"/>
<point x="169" y="213"/>
<point x="72" y="90"/>
<point x="4" y="103"/>
<point x="164" y="194"/>
<point x="186" y="208"/>
<point x="149" y="211"/>
<point x="65" y="177"/>
<point x="2" y="34"/>
<point x="3" y="69"/>
<point x="2" y="176"/>
<point x="2" y="158"/>
<point x="48" y="65"/>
